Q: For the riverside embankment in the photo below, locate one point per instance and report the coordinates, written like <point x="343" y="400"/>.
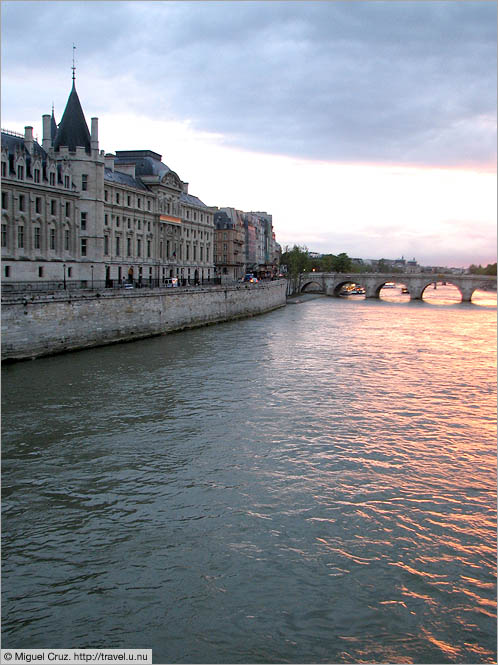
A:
<point x="44" y="324"/>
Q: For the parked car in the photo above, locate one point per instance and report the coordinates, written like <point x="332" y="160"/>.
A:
<point x="171" y="282"/>
<point x="249" y="277"/>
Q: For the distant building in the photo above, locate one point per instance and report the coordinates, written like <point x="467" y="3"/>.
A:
<point x="245" y="243"/>
<point x="70" y="211"/>
<point x="396" y="265"/>
<point x="412" y="266"/>
<point x="229" y="252"/>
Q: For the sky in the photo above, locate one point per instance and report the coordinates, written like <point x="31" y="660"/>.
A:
<point x="366" y="127"/>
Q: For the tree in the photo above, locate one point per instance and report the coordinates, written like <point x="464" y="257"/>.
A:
<point x="327" y="263"/>
<point x="296" y="259"/>
<point x="342" y="263"/>
<point x="490" y="269"/>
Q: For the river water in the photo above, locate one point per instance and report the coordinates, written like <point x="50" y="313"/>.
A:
<point x="317" y="484"/>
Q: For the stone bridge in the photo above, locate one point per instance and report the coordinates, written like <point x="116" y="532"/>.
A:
<point x="331" y="283"/>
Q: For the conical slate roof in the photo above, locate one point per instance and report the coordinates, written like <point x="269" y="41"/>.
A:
<point x="53" y="127"/>
<point x="73" y="130"/>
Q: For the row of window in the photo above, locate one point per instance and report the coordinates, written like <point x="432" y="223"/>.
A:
<point x="140" y="244"/>
<point x="36" y="175"/>
<point x="128" y="220"/>
<point x="187" y="211"/>
<point x="202" y="234"/>
<point x="119" y="196"/>
<point x="117" y="246"/>
<point x="7" y="271"/>
<point x="22" y="204"/>
<point x="147" y="225"/>
<point x="37" y="237"/>
<point x="41" y="272"/>
<point x="117" y="199"/>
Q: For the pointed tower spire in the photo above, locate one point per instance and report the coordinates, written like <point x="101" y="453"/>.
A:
<point x="74" y="67"/>
<point x="73" y="130"/>
<point x="53" y="126"/>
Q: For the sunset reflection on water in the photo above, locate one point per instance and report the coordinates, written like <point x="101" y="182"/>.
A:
<point x="443" y="294"/>
<point x="313" y="485"/>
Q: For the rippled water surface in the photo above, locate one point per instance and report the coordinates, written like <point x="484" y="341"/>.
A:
<point x="313" y="485"/>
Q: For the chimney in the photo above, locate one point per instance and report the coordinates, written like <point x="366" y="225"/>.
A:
<point x="109" y="161"/>
<point x="129" y="168"/>
<point x="47" y="135"/>
<point x="28" y="139"/>
<point x="94" y="136"/>
<point x="185" y="187"/>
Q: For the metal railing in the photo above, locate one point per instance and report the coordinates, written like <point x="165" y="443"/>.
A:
<point x="93" y="285"/>
<point x="60" y="286"/>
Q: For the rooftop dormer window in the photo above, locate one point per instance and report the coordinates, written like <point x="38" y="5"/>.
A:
<point x="20" y="172"/>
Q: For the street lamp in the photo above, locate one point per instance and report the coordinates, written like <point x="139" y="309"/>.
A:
<point x="91" y="267"/>
<point x="64" y="266"/>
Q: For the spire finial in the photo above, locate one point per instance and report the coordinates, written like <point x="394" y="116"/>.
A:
<point x="74" y="67"/>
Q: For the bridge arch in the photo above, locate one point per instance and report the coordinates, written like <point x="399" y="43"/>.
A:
<point x="393" y="289"/>
<point x="456" y="294"/>
<point x="340" y="288"/>
<point x="312" y="286"/>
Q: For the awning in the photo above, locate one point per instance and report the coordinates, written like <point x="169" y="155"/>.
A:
<point x="169" y="219"/>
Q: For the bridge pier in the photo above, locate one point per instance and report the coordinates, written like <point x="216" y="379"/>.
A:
<point x="466" y="291"/>
<point x="371" y="290"/>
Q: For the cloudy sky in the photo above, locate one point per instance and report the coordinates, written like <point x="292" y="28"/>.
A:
<point x="366" y="127"/>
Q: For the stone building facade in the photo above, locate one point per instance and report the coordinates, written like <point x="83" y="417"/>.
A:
<point x="229" y="244"/>
<point x="245" y="242"/>
<point x="72" y="212"/>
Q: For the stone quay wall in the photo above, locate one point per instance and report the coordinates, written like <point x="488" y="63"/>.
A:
<point x="46" y="324"/>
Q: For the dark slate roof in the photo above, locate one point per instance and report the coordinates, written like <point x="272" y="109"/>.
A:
<point x="12" y="142"/>
<point x="73" y="130"/>
<point x="123" y="179"/>
<point x="53" y="127"/>
<point x="222" y="220"/>
<point x="146" y="162"/>
<point x="192" y="200"/>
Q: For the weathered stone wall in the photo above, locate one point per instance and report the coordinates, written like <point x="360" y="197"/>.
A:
<point x="38" y="325"/>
